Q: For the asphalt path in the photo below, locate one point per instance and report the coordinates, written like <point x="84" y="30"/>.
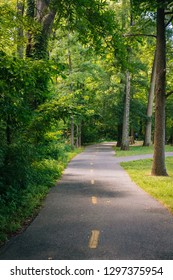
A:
<point x="96" y="212"/>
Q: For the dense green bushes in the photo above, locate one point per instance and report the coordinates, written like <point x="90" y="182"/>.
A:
<point x="21" y="201"/>
<point x="33" y="154"/>
<point x="19" y="87"/>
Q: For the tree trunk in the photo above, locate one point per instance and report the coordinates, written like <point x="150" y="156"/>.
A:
<point x="70" y="65"/>
<point x="119" y="135"/>
<point x="40" y="50"/>
<point x="30" y="13"/>
<point x="132" y="135"/>
<point x="125" y="134"/>
<point x="20" y="33"/>
<point x="148" y="129"/>
<point x="158" y="167"/>
<point x="121" y="103"/>
<point x="80" y="134"/>
<point x="38" y="42"/>
<point x="72" y="132"/>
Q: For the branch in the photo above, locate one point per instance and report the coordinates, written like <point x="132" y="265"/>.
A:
<point x="138" y="35"/>
<point x="169" y="21"/>
<point x="169" y="93"/>
<point x="169" y="13"/>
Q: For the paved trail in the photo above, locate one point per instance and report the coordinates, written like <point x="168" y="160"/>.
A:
<point x="96" y="212"/>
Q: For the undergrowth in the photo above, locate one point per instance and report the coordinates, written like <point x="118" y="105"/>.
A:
<point x="20" y="204"/>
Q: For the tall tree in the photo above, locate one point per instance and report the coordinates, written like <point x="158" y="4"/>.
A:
<point x="20" y="31"/>
<point x="125" y="132"/>
<point x="44" y="12"/>
<point x="126" y="6"/>
<point x="91" y="18"/>
<point x="148" y="128"/>
<point x="163" y="8"/>
<point x="158" y="167"/>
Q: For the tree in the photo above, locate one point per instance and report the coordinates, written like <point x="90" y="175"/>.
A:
<point x="125" y="130"/>
<point x="125" y="126"/>
<point x="90" y="18"/>
<point x="148" y="128"/>
<point x="158" y="167"/>
<point x="20" y="33"/>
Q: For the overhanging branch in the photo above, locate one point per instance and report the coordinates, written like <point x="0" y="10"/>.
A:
<point x="169" y="21"/>
<point x="169" y="13"/>
<point x="140" y="35"/>
<point x="169" y="93"/>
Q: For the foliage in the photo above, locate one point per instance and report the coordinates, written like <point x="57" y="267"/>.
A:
<point x="20" y="205"/>
<point x="71" y="66"/>
<point x="23" y="87"/>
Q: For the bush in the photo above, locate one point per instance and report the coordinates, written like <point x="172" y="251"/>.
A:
<point x="18" y="202"/>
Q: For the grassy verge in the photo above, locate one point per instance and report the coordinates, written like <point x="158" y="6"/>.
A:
<point x="160" y="188"/>
<point x="20" y="206"/>
<point x="139" y="150"/>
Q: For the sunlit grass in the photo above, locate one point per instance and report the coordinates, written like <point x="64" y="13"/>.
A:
<point x="159" y="187"/>
<point x="139" y="150"/>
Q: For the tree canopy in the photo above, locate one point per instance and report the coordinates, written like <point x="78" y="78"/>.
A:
<point x="66" y="70"/>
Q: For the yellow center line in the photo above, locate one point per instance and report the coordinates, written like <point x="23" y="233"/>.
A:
<point x="94" y="200"/>
<point x="94" y="239"/>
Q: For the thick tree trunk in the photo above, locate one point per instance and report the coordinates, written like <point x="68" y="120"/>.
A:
<point x="125" y="134"/>
<point x="38" y="43"/>
<point x="158" y="167"/>
<point x="40" y="50"/>
<point x="20" y="33"/>
<point x="30" y="13"/>
<point x="148" y="129"/>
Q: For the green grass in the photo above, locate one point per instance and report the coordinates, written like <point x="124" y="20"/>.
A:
<point x="139" y="150"/>
<point x="159" y="187"/>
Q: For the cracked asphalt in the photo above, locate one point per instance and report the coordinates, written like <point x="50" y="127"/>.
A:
<point x="96" y="212"/>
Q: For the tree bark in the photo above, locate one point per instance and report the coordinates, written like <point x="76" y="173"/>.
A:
<point x="38" y="43"/>
<point x="80" y="134"/>
<point x="20" y="33"/>
<point x="72" y="132"/>
<point x="148" y="129"/>
<point x="119" y="135"/>
<point x="125" y="134"/>
<point x="30" y="13"/>
<point x="121" y="103"/>
<point x="158" y="167"/>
